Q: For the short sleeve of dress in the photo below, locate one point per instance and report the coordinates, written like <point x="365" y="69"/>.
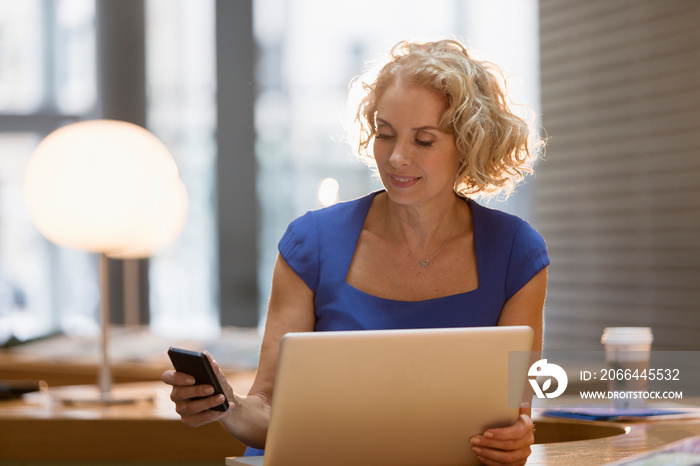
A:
<point x="299" y="248"/>
<point x="528" y="257"/>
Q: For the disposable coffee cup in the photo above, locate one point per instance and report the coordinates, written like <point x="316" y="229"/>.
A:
<point x="627" y="352"/>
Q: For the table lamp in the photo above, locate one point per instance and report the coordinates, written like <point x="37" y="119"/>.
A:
<point x="107" y="187"/>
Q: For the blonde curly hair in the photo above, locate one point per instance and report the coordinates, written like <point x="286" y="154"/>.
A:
<point x="498" y="147"/>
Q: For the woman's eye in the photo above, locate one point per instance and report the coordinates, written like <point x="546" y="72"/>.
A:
<point x="424" y="143"/>
<point x="383" y="136"/>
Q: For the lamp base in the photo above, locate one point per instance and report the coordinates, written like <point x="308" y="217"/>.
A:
<point x="92" y="395"/>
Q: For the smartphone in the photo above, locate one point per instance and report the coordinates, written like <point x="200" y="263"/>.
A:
<point x="198" y="366"/>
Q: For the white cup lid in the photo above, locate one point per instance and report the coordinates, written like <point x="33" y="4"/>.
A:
<point x="627" y="335"/>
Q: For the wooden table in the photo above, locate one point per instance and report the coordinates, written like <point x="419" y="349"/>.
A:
<point x="640" y="437"/>
<point x="41" y="430"/>
<point x="46" y="432"/>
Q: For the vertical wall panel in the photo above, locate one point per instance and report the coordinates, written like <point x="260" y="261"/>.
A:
<point x="618" y="197"/>
<point x="237" y="203"/>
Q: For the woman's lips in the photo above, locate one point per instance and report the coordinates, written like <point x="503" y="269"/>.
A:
<point x="404" y="181"/>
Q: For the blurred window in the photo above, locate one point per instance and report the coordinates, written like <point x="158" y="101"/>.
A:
<point x="47" y="79"/>
<point x="181" y="96"/>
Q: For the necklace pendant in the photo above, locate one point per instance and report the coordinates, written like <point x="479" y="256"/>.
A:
<point x="425" y="264"/>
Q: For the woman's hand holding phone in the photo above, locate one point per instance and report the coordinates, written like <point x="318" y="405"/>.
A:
<point x="200" y="390"/>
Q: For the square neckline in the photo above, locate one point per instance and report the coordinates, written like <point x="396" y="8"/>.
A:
<point x="356" y="237"/>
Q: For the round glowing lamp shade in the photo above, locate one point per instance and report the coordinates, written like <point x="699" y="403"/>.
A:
<point x="105" y="186"/>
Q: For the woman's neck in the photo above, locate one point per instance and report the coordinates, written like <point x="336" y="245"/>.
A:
<point x="421" y="229"/>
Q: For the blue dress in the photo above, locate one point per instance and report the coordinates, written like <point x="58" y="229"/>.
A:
<point x="319" y="247"/>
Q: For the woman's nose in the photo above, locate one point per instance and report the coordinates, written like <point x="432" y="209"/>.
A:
<point x="399" y="155"/>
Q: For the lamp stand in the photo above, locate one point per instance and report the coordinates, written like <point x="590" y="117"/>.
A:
<point x="103" y="393"/>
<point x="104" y="378"/>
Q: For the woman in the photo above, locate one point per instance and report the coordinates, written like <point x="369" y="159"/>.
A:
<point x="435" y="126"/>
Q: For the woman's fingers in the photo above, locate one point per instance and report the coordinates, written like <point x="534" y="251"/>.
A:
<point x="193" y="402"/>
<point x="197" y="413"/>
<point x="507" y="445"/>
<point x="512" y="435"/>
<point x="225" y="386"/>
<point x="501" y="458"/>
<point x="172" y="377"/>
<point x="189" y="407"/>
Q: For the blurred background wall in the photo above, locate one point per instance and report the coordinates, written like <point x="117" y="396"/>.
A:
<point x="250" y="97"/>
<point x="618" y="198"/>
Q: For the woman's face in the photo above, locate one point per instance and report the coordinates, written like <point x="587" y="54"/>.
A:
<point x="417" y="162"/>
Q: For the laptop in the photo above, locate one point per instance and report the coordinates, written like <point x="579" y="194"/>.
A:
<point x="392" y="397"/>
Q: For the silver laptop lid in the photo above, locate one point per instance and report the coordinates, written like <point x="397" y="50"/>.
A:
<point x="392" y="397"/>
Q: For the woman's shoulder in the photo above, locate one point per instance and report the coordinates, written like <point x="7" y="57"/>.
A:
<point x="499" y="227"/>
<point x="512" y="242"/>
<point x="323" y="236"/>
<point x="327" y="223"/>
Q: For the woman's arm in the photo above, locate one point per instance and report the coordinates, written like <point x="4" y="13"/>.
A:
<point x="511" y="445"/>
<point x="525" y="307"/>
<point x="290" y="309"/>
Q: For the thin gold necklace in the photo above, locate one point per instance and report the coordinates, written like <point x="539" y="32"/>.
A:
<point x="423" y="263"/>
